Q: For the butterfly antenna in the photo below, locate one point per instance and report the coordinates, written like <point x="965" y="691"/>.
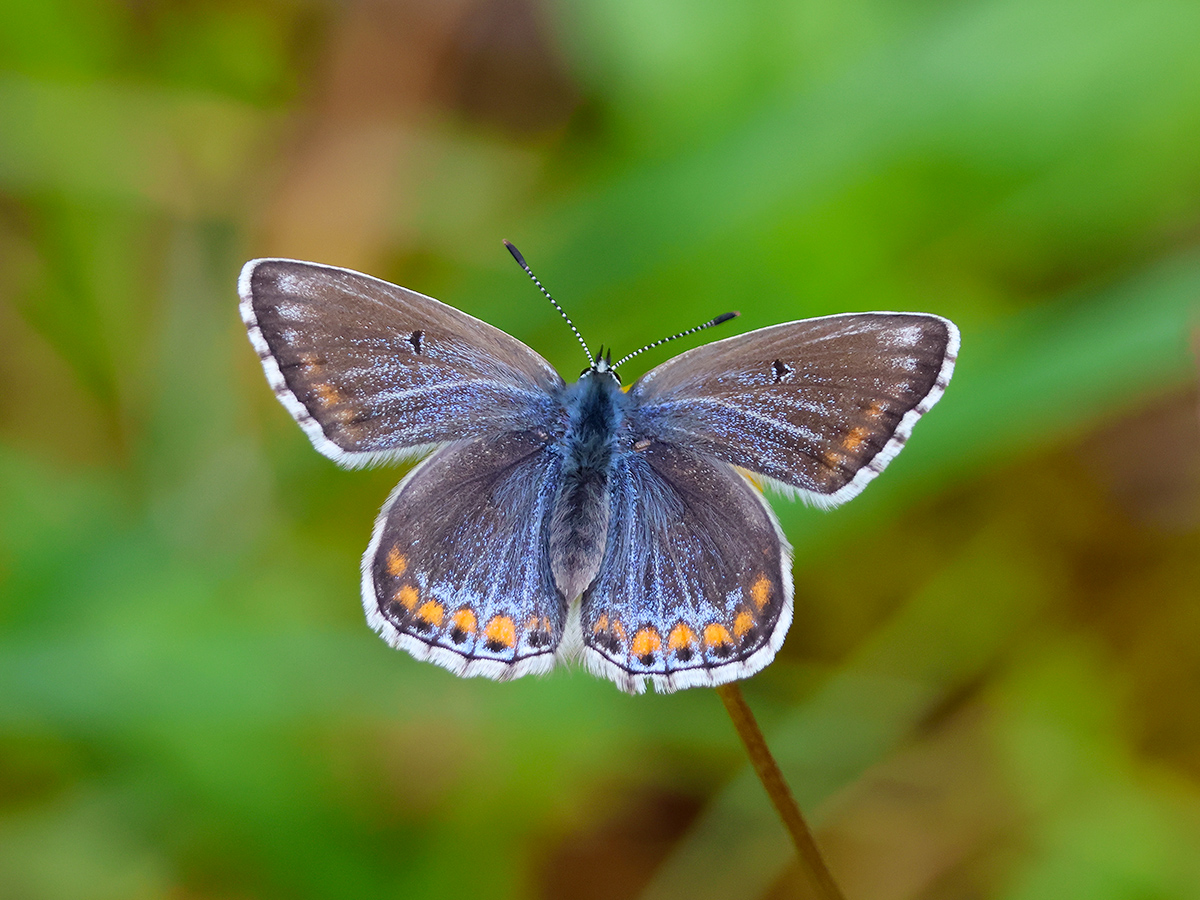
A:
<point x="516" y="254"/>
<point x="709" y="324"/>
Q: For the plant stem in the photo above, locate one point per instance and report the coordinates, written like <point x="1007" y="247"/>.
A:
<point x="785" y="804"/>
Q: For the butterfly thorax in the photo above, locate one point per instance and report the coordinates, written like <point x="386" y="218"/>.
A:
<point x="578" y="527"/>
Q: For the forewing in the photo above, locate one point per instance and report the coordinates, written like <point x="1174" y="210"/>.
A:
<point x="457" y="571"/>
<point x="371" y="370"/>
<point x="695" y="587"/>
<point x="820" y="405"/>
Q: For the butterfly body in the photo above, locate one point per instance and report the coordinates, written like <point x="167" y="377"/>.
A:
<point x="554" y="522"/>
<point x="594" y="409"/>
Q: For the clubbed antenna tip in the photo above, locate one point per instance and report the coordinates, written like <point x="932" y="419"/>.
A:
<point x="516" y="254"/>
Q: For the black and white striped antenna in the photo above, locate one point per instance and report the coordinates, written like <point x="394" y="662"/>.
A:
<point x="516" y="254"/>
<point x="608" y="364"/>
<point x="724" y="317"/>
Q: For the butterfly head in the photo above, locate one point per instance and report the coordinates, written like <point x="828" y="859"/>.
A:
<point x="602" y="366"/>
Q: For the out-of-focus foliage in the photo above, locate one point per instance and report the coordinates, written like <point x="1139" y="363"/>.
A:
<point x="992" y="686"/>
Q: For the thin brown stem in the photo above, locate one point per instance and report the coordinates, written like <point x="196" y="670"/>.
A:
<point x="785" y="804"/>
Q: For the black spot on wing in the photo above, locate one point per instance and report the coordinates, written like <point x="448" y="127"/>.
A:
<point x="609" y="641"/>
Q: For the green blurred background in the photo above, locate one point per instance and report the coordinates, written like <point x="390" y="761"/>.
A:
<point x="992" y="686"/>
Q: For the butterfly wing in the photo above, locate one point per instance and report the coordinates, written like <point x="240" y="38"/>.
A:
<point x="695" y="587"/>
<point x="371" y="370"/>
<point x="821" y="405"/>
<point x="457" y="572"/>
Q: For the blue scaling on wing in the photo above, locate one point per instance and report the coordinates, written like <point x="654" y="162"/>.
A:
<point x="457" y="572"/>
<point x="372" y="371"/>
<point x="695" y="587"/>
<point x="819" y="406"/>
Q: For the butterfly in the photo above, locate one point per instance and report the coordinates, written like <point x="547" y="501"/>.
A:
<point x="550" y="521"/>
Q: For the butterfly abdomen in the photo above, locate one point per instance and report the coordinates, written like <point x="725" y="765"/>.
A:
<point x="579" y="523"/>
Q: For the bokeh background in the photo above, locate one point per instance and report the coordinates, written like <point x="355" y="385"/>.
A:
<point x="992" y="686"/>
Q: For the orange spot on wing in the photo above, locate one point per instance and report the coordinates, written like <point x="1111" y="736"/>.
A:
<point x="601" y="624"/>
<point x="432" y="612"/>
<point x="396" y="563"/>
<point x="760" y="591"/>
<point x="646" y="642"/>
<point x="742" y="623"/>
<point x="715" y="635"/>
<point x="407" y="597"/>
<point x="854" y="439"/>
<point x="327" y="393"/>
<point x="832" y="458"/>
<point x="619" y="630"/>
<point x="681" y="636"/>
<point x="875" y="410"/>
<point x="501" y="631"/>
<point x="464" y="620"/>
